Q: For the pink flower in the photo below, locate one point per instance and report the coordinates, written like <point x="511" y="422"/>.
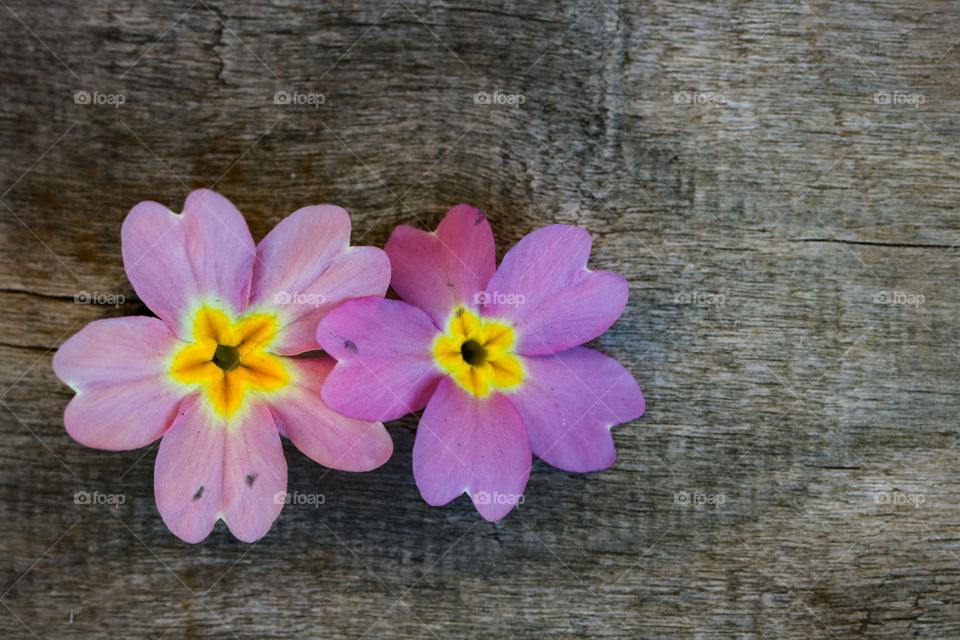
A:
<point x="491" y="353"/>
<point x="213" y="374"/>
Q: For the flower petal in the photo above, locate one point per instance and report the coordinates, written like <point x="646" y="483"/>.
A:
<point x="208" y="468"/>
<point x="438" y="271"/>
<point x="321" y="433"/>
<point x="118" y="367"/>
<point x="477" y="446"/>
<point x="188" y="476"/>
<point x="306" y="266"/>
<point x="545" y="289"/>
<point x="570" y="400"/>
<point x="254" y="475"/>
<point x="175" y="261"/>
<point x="386" y="368"/>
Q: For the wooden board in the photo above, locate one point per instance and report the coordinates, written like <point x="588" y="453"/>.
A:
<point x="767" y="175"/>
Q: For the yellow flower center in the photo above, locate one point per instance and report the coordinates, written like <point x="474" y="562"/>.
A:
<point x="476" y="352"/>
<point x="227" y="358"/>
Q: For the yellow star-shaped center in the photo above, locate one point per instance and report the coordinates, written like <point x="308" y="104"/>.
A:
<point x="477" y="353"/>
<point x="227" y="358"/>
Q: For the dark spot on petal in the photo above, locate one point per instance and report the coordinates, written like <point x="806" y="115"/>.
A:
<point x="479" y="219"/>
<point x="459" y="312"/>
<point x="199" y="493"/>
<point x="251" y="478"/>
<point x="350" y="346"/>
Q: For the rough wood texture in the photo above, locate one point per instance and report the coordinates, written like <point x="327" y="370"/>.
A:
<point x="731" y="159"/>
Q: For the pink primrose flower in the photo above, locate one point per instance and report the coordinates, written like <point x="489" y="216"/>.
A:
<point x="213" y="375"/>
<point x="492" y="354"/>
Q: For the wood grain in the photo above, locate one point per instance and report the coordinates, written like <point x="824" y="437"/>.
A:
<point x="796" y="474"/>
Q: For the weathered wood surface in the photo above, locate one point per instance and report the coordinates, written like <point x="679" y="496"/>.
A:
<point x="785" y="191"/>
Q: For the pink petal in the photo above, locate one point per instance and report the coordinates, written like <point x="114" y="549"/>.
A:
<point x="319" y="432"/>
<point x="254" y="475"/>
<point x="188" y="476"/>
<point x="175" y="261"/>
<point x="386" y="368"/>
<point x="570" y="400"/>
<point x="208" y="469"/>
<point x="438" y="271"/>
<point x="305" y="267"/>
<point x="118" y="367"/>
<point x="477" y="446"/>
<point x="544" y="287"/>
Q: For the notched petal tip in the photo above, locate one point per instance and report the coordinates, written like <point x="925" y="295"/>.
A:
<point x="117" y="368"/>
<point x="174" y="261"/>
<point x="493" y="513"/>
<point x="306" y="267"/>
<point x="544" y="287"/>
<point x="474" y="215"/>
<point x="437" y="271"/>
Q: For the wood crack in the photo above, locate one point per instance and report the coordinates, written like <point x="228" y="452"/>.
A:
<point x="874" y="243"/>
<point x="29" y="347"/>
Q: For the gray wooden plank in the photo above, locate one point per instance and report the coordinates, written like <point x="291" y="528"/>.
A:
<point x="732" y="160"/>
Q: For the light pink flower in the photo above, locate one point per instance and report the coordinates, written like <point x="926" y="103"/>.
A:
<point x="492" y="353"/>
<point x="213" y="374"/>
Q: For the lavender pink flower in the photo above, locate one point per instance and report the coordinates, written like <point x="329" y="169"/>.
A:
<point x="491" y="354"/>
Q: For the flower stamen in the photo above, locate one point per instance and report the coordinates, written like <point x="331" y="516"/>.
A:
<point x="473" y="353"/>
<point x="477" y="353"/>
<point x="227" y="358"/>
